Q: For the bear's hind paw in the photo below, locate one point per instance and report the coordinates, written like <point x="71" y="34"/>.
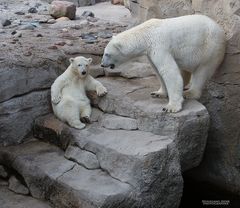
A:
<point x="157" y="94"/>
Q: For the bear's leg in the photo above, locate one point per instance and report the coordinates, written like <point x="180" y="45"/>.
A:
<point x="86" y="113"/>
<point x="172" y="78"/>
<point x="199" y="78"/>
<point x="70" y="113"/>
<point x="162" y="92"/>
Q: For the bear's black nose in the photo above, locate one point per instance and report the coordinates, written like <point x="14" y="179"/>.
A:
<point x="83" y="73"/>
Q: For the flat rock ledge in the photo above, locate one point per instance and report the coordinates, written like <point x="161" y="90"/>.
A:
<point x="131" y="156"/>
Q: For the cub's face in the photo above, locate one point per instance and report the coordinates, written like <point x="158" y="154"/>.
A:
<point x="80" y="65"/>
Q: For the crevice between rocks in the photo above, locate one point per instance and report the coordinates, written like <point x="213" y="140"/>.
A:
<point x="26" y="93"/>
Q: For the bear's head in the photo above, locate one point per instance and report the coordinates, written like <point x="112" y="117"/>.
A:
<point x="115" y="53"/>
<point x="80" y="65"/>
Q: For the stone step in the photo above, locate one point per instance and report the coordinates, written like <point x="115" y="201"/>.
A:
<point x="142" y="160"/>
<point x="64" y="183"/>
<point x="9" y="199"/>
<point x="131" y="98"/>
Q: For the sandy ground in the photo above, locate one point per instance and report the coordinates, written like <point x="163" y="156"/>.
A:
<point x="109" y="12"/>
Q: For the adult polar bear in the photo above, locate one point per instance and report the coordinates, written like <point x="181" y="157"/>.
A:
<point x="193" y="43"/>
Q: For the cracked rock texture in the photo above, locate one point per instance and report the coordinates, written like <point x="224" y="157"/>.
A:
<point x="221" y="163"/>
<point x="9" y="199"/>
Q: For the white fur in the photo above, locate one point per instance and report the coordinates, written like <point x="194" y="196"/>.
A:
<point x="68" y="93"/>
<point x="193" y="43"/>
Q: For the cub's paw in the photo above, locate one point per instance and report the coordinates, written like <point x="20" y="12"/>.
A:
<point x="78" y="126"/>
<point x="170" y="108"/>
<point x="158" y="94"/>
<point x="101" y="91"/>
<point x="190" y="94"/>
<point x="86" y="119"/>
<point x="56" y="99"/>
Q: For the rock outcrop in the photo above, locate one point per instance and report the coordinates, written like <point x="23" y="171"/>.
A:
<point x="221" y="97"/>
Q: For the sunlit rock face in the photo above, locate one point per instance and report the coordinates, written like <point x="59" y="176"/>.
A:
<point x="221" y="163"/>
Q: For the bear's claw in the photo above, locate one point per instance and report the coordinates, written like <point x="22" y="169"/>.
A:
<point x="56" y="99"/>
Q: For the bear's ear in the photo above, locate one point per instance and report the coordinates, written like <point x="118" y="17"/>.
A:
<point x="89" y="60"/>
<point x="118" y="45"/>
<point x="71" y="60"/>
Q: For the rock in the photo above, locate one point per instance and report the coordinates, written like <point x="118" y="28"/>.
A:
<point x="6" y="22"/>
<point x="28" y="26"/>
<point x="96" y="71"/>
<point x="32" y="10"/>
<point x="10" y="199"/>
<point x="62" y="9"/>
<point x="111" y="121"/>
<point x="82" y="157"/>
<point x="48" y="173"/>
<point x="3" y="183"/>
<point x="18" y="34"/>
<point x="96" y="115"/>
<point x="135" y="69"/>
<point x="19" y="112"/>
<point x="20" y="13"/>
<point x="92" y="19"/>
<point x="3" y="172"/>
<point x="88" y="14"/>
<point x="62" y="19"/>
<point x="69" y="42"/>
<point x="134" y="101"/>
<point x="39" y="35"/>
<point x="112" y="73"/>
<point x="60" y="43"/>
<point x="105" y="34"/>
<point x="16" y="186"/>
<point x="162" y="9"/>
<point x="51" y="21"/>
<point x="117" y="2"/>
<point x="89" y="37"/>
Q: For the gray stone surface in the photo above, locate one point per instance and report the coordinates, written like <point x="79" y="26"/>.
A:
<point x="3" y="172"/>
<point x="82" y="157"/>
<point x="16" y="186"/>
<point x="96" y="115"/>
<point x="17" y="115"/>
<point x="65" y="184"/>
<point x="134" y="100"/>
<point x="111" y="121"/>
<point x="9" y="199"/>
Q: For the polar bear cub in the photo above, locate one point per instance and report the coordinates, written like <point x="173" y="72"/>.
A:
<point x="193" y="43"/>
<point x="68" y="93"/>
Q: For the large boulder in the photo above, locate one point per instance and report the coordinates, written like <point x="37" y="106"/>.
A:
<point x="59" y="9"/>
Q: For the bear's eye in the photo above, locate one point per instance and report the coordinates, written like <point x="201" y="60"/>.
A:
<point x="107" y="55"/>
<point x="79" y="64"/>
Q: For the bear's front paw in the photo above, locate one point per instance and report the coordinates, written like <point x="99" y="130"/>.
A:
<point x="172" y="108"/>
<point x="101" y="91"/>
<point x="56" y="99"/>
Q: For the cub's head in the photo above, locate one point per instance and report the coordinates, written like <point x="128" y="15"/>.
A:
<point x="80" y="65"/>
<point x="115" y="53"/>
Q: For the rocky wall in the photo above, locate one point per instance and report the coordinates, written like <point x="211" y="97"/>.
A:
<point x="221" y="163"/>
